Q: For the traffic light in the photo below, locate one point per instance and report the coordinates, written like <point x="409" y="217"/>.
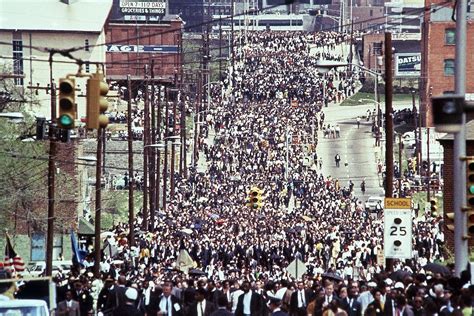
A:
<point x="447" y="113"/>
<point x="97" y="103"/>
<point x="450" y="221"/>
<point x="67" y="104"/>
<point x="434" y="207"/>
<point x="470" y="182"/>
<point x="470" y="223"/>
<point x="254" y="199"/>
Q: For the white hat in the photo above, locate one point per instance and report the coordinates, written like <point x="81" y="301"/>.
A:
<point x="372" y="284"/>
<point x="399" y="285"/>
<point x="131" y="293"/>
<point x="388" y="281"/>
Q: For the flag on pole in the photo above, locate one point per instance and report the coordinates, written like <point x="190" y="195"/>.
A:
<point x="78" y="255"/>
<point x="12" y="260"/>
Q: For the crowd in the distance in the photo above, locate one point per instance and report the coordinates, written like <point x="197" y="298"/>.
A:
<point x="242" y="254"/>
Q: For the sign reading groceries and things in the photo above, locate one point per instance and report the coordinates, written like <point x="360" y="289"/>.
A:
<point x="407" y="64"/>
<point x="156" y="7"/>
<point x="398" y="228"/>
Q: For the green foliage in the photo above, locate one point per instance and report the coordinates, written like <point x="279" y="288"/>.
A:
<point x="22" y="180"/>
<point x="115" y="207"/>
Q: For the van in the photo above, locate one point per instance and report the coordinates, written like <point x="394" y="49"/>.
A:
<point x="37" y="268"/>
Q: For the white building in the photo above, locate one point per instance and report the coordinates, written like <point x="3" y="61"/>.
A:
<point x="29" y="29"/>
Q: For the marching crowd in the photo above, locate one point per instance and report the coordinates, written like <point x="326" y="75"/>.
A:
<point x="239" y="257"/>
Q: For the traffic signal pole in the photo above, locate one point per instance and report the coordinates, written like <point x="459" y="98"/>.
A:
<point x="51" y="181"/>
<point x="98" y="205"/>
<point x="131" y="179"/>
<point x="459" y="149"/>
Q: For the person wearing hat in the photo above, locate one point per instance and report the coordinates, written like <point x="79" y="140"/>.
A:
<point x="129" y="308"/>
<point x="274" y="305"/>
<point x="81" y="295"/>
<point x="365" y="296"/>
<point x="221" y="310"/>
<point x="201" y="307"/>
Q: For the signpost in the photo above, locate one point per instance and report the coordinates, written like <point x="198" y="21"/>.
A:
<point x="397" y="228"/>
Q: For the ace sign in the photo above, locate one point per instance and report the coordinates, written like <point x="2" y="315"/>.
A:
<point x="397" y="228"/>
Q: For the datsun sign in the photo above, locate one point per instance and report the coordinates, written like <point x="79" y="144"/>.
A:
<point x="407" y="64"/>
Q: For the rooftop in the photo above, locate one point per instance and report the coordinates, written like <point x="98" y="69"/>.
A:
<point x="54" y="15"/>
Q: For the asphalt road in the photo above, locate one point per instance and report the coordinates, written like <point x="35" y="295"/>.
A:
<point x="356" y="147"/>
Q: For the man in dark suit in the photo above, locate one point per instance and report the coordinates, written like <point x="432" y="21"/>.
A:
<point x="68" y="307"/>
<point x="201" y="307"/>
<point x="168" y="304"/>
<point x="328" y="297"/>
<point x="116" y="295"/>
<point x="222" y="308"/>
<point x="213" y="293"/>
<point x="84" y="299"/>
<point x="250" y="303"/>
<point x="300" y="300"/>
<point x="350" y="303"/>
<point x="274" y="306"/>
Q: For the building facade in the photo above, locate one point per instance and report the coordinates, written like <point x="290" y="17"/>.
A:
<point x="62" y="27"/>
<point x="438" y="53"/>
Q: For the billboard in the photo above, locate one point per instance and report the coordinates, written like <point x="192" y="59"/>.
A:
<point x="407" y="64"/>
<point x="138" y="9"/>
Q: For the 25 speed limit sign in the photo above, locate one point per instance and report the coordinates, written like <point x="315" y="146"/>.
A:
<point x="398" y="228"/>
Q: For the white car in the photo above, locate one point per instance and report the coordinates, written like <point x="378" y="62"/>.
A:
<point x="372" y="202"/>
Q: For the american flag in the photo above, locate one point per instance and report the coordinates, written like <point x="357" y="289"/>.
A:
<point x="12" y="260"/>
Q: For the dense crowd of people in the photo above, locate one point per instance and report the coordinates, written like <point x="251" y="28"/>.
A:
<point x="237" y="259"/>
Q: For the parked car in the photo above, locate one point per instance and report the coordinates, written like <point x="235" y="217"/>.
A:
<point x="374" y="203"/>
<point x="37" y="268"/>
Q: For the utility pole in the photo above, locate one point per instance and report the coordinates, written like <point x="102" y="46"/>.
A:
<point x="165" y="167"/>
<point x="459" y="149"/>
<point x="184" y="165"/>
<point x="152" y="154"/>
<point x="400" y="171"/>
<point x="428" y="184"/>
<point x="173" y="148"/>
<point x="388" y="116"/>
<point x="98" y="204"/>
<point x="146" y="142"/>
<point x="158" y="156"/>
<point x="131" y="178"/>
<point x="51" y="182"/>
<point x="388" y="127"/>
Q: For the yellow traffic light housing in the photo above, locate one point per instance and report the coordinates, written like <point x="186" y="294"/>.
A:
<point x="67" y="104"/>
<point x="470" y="182"/>
<point x="450" y="221"/>
<point x="470" y="223"/>
<point x="434" y="207"/>
<point x="97" y="103"/>
<point x="255" y="198"/>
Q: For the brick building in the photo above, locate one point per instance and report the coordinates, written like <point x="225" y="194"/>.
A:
<point x="448" y="198"/>
<point x="136" y="44"/>
<point x="438" y="52"/>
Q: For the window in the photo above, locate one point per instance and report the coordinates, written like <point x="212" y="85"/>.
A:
<point x="377" y="48"/>
<point x="450" y="36"/>
<point x="86" y="45"/>
<point x="449" y="67"/>
<point x="18" y="58"/>
<point x="371" y="12"/>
